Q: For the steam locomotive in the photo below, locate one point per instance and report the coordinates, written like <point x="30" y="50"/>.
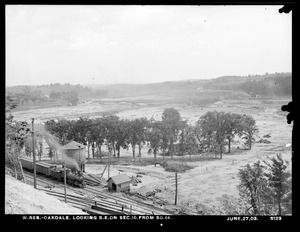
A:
<point x="55" y="171"/>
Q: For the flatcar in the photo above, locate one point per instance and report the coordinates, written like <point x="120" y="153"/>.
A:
<point x="54" y="171"/>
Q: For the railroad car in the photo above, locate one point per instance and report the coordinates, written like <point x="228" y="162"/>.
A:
<point x="54" y="171"/>
<point x="27" y="163"/>
<point x="45" y="168"/>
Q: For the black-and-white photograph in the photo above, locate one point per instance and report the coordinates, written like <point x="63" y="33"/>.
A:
<point x="148" y="110"/>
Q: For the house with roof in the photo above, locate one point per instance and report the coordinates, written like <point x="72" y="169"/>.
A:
<point x="119" y="183"/>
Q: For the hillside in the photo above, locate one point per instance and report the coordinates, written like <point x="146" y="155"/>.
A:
<point x="21" y="198"/>
<point x="133" y="90"/>
<point x="277" y="84"/>
<point x="199" y="92"/>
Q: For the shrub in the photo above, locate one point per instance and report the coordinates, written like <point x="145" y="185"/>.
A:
<point x="173" y="166"/>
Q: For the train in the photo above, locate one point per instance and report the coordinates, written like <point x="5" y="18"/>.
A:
<point x="55" y="171"/>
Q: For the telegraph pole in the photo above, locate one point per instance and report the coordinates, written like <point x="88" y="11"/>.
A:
<point x="176" y="188"/>
<point x="108" y="165"/>
<point x="65" y="181"/>
<point x="33" y="153"/>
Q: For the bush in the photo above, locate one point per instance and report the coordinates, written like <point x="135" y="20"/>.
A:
<point x="173" y="166"/>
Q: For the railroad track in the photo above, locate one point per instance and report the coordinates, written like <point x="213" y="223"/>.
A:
<point x="60" y="196"/>
<point x="147" y="208"/>
<point x="76" y="201"/>
<point x="94" y="195"/>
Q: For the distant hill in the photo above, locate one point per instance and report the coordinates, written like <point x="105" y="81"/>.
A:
<point x="259" y="84"/>
<point x="130" y="90"/>
<point x="279" y="84"/>
<point x="51" y="95"/>
<point x="184" y="91"/>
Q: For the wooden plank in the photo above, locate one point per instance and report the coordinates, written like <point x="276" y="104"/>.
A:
<point x="107" y="210"/>
<point x="95" y="178"/>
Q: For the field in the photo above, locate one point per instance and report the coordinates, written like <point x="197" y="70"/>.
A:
<point x="202" y="189"/>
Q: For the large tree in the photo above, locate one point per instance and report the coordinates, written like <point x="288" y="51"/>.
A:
<point x="98" y="133"/>
<point x="220" y="133"/>
<point x="172" y="121"/>
<point x="249" y="129"/>
<point x="279" y="185"/>
<point x="183" y="132"/>
<point x="132" y="138"/>
<point x="205" y="130"/>
<point x="122" y="135"/>
<point x="142" y="134"/>
<point x="110" y="123"/>
<point x="60" y="129"/>
<point x="192" y="142"/>
<point x="82" y="130"/>
<point x="164" y="142"/>
<point x="252" y="186"/>
<point x="16" y="134"/>
<point x="137" y="134"/>
<point x="154" y="136"/>
<point x="267" y="189"/>
<point x="212" y="126"/>
<point x="232" y="127"/>
<point x="188" y="140"/>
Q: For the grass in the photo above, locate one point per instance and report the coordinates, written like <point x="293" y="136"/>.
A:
<point x="146" y="160"/>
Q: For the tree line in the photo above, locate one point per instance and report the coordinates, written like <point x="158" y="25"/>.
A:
<point x="170" y="135"/>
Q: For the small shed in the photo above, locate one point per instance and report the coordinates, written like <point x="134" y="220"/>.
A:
<point x="119" y="183"/>
<point x="76" y="151"/>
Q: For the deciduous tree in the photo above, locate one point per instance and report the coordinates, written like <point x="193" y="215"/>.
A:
<point x="154" y="136"/>
<point x="212" y="127"/>
<point x="110" y="123"/>
<point x="248" y="130"/>
<point x="172" y="120"/>
<point x="232" y="127"/>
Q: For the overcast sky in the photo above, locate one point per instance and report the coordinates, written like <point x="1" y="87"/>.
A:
<point x="142" y="44"/>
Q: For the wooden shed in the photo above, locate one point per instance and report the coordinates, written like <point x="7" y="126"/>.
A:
<point x="119" y="183"/>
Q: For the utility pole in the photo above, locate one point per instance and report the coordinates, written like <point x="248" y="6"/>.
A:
<point x="23" y="176"/>
<point x="103" y="172"/>
<point x="65" y="181"/>
<point x="33" y="154"/>
<point x="108" y="165"/>
<point x="176" y="188"/>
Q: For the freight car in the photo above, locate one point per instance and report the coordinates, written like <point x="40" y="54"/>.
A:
<point x="55" y="171"/>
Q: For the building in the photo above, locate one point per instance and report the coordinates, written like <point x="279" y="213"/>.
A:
<point x="119" y="183"/>
<point x="76" y="151"/>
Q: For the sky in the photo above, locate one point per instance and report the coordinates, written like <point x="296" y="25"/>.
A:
<point x="86" y="44"/>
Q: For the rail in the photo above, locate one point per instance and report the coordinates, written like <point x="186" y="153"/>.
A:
<point x="92" y="195"/>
